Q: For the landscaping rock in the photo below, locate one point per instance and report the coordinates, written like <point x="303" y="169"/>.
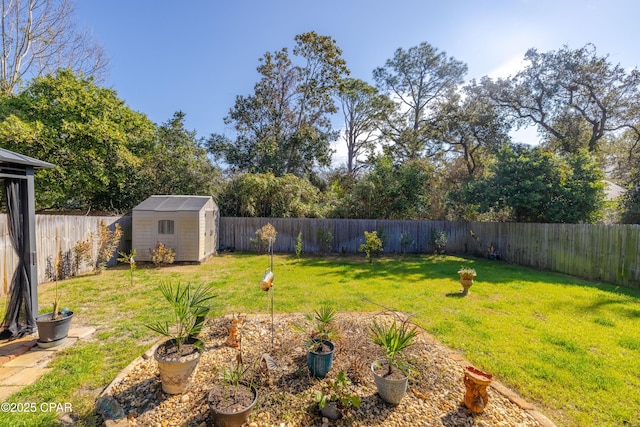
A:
<point x="435" y="395"/>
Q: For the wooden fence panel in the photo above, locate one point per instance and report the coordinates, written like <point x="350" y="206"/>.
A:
<point x="68" y="230"/>
<point x="609" y="253"/>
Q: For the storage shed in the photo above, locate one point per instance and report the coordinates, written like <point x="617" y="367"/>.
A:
<point x="186" y="224"/>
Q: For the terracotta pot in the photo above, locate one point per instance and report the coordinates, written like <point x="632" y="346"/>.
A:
<point x="476" y="382"/>
<point x="176" y="372"/>
<point x="466" y="281"/>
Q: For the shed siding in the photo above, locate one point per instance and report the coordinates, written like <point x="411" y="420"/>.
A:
<point x="192" y="240"/>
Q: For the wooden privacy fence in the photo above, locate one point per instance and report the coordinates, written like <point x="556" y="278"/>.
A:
<point x="69" y="230"/>
<point x="610" y="253"/>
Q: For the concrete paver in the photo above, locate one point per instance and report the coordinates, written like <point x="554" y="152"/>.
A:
<point x="25" y="377"/>
<point x="22" y="362"/>
<point x="7" y="372"/>
<point x="8" y="390"/>
<point x="31" y="359"/>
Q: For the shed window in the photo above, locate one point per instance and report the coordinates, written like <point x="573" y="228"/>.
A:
<point x="165" y="226"/>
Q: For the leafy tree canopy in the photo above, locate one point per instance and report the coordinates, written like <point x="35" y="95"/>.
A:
<point x="178" y="163"/>
<point x="539" y="186"/>
<point x="389" y="190"/>
<point x="92" y="137"/>
<point x="417" y="80"/>
<point x="575" y="97"/>
<point x="363" y="109"/>
<point x="284" y="127"/>
<point x="269" y="196"/>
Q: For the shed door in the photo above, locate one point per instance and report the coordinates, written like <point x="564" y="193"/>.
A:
<point x="209" y="230"/>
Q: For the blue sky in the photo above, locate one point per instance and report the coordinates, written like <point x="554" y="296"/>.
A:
<point x="197" y="56"/>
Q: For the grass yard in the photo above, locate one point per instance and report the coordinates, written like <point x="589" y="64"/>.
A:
<point x="569" y="346"/>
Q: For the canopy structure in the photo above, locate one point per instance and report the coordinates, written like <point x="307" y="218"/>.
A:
<point x="16" y="170"/>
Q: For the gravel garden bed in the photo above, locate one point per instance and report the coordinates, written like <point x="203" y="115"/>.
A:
<point x="434" y="398"/>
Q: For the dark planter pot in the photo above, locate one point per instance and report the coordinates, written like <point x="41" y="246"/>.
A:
<point x="222" y="418"/>
<point x="320" y="363"/>
<point x="176" y="372"/>
<point x="53" y="332"/>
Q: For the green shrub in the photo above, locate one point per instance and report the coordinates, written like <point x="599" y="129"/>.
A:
<point x="162" y="255"/>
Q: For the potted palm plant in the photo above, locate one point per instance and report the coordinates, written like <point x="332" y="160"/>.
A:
<point x="232" y="400"/>
<point x="320" y="332"/>
<point x="391" y="376"/>
<point x="178" y="356"/>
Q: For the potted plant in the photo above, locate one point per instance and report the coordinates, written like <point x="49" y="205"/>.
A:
<point x="320" y="348"/>
<point x="334" y="397"/>
<point x="466" y="278"/>
<point x="391" y="376"/>
<point x="232" y="400"/>
<point x="178" y="356"/>
<point x="53" y="328"/>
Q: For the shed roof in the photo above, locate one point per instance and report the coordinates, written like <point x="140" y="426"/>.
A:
<point x="173" y="203"/>
<point x="7" y="156"/>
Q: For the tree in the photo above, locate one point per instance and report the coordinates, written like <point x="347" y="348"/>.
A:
<point x="540" y="186"/>
<point x="284" y="127"/>
<point x="471" y="127"/>
<point x="178" y="163"/>
<point x="362" y="108"/>
<point x="575" y="97"/>
<point x="38" y="37"/>
<point x="631" y="205"/>
<point x="390" y="191"/>
<point x="269" y="196"/>
<point x="93" y="138"/>
<point x="417" y="80"/>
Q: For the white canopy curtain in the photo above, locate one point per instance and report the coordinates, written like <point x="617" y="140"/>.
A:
<point x="22" y="301"/>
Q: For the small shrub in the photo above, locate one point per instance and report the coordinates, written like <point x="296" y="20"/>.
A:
<point x="162" y="255"/>
<point x="439" y="241"/>
<point x="265" y="238"/>
<point x="129" y="258"/>
<point x="83" y="252"/>
<point x="108" y="242"/>
<point x="324" y="236"/>
<point x="372" y="244"/>
<point x="336" y="391"/>
<point x="299" y="245"/>
<point x="406" y="241"/>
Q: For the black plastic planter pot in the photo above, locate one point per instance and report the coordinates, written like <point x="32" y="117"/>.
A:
<point x="222" y="418"/>
<point x="51" y="332"/>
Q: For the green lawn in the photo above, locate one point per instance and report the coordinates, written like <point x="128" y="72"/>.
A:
<point x="569" y="346"/>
